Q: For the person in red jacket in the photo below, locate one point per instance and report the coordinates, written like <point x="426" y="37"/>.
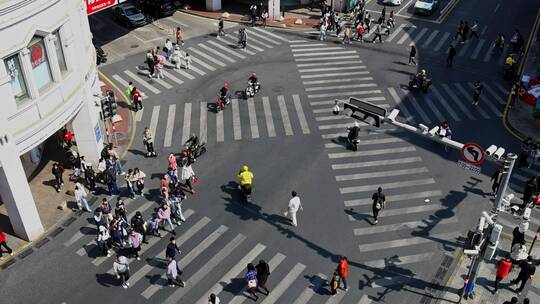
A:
<point x="502" y="271"/>
<point x="68" y="138"/>
<point x="3" y="243"/>
<point x="343" y="271"/>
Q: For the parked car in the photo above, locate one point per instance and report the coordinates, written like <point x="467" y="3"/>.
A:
<point x="158" y="8"/>
<point x="425" y="6"/>
<point x="391" y="2"/>
<point x="128" y="15"/>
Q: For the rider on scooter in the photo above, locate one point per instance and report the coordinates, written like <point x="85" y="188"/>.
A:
<point x="253" y="81"/>
<point x="353" y="131"/>
<point x="245" y="178"/>
<point x="223" y="94"/>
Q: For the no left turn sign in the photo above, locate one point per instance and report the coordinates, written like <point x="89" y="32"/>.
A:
<point x="473" y="153"/>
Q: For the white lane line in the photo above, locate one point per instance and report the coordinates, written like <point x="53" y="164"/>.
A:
<point x="369" y="99"/>
<point x="357" y="176"/>
<point x="386" y="162"/>
<point x="344" y="94"/>
<point x="141" y="208"/>
<point x="207" y="57"/>
<point x="357" y="67"/>
<point x="444" y="103"/>
<point x="284" y="115"/>
<point x="261" y="42"/>
<point x="407" y="35"/>
<point x="393" y="185"/>
<point x="396" y="32"/>
<point x="397" y="100"/>
<point x="419" y="36"/>
<point x="220" y="132"/>
<point x="170" y="126"/>
<point x="412" y="241"/>
<point x="185" y="74"/>
<point x="395" y="198"/>
<point x="476" y="51"/>
<point x="329" y="63"/>
<point x="399" y="260"/>
<point x="326" y="58"/>
<point x="195" y="69"/>
<point x="142" y="82"/>
<point x="232" y="273"/>
<point x="465" y="95"/>
<point x="226" y="49"/>
<point x="464" y="49"/>
<point x="337" y="80"/>
<point x="371" y="152"/>
<point x="253" y="118"/>
<point x="429" y="39"/>
<point x="339" y="87"/>
<point x="458" y="102"/>
<point x="264" y="38"/>
<point x="494" y="94"/>
<point x="306" y="45"/>
<point x="268" y="117"/>
<point x="154" y="121"/>
<point x="271" y="34"/>
<point x="203" y="127"/>
<point x="486" y="101"/>
<point x="317" y="49"/>
<point x="213" y="51"/>
<point x="125" y="83"/>
<point x="489" y="53"/>
<point x="309" y="292"/>
<point x="205" y="269"/>
<point x="284" y="284"/>
<point x="334" y="74"/>
<point x="326" y="54"/>
<point x="404" y="7"/>
<point x="237" y="131"/>
<point x="401" y="226"/>
<point x="172" y="77"/>
<point x="337" y="126"/>
<point x="441" y="41"/>
<point x="297" y="41"/>
<point x="417" y="106"/>
<point x="332" y="117"/>
<point x="433" y="108"/>
<point x="300" y="113"/>
<point x="187" y="122"/>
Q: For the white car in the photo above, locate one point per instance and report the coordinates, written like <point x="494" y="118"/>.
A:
<point x="391" y="2"/>
<point x="425" y="6"/>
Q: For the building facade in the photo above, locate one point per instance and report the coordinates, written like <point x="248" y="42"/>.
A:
<point x="48" y="79"/>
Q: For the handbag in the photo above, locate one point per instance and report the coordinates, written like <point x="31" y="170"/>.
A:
<point x="252" y="283"/>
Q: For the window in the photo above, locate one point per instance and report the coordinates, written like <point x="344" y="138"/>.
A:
<point x="59" y="52"/>
<point x="40" y="63"/>
<point x="18" y="86"/>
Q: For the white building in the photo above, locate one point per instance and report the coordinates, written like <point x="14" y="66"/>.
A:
<point x="48" y="79"/>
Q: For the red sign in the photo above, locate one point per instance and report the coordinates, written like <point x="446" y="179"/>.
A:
<point x="93" y="6"/>
<point x="36" y="55"/>
<point x="473" y="153"/>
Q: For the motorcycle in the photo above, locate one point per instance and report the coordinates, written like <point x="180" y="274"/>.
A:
<point x="416" y="83"/>
<point x="246" y="190"/>
<point x="353" y="140"/>
<point x="101" y="56"/>
<point x="194" y="149"/>
<point x="222" y="103"/>
<point x="252" y="89"/>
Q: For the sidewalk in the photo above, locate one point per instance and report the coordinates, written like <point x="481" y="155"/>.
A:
<point x="56" y="209"/>
<point x="520" y="117"/>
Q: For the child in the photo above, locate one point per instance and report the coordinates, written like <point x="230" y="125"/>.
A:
<point x="187" y="61"/>
<point x="153" y="225"/>
<point x="334" y="284"/>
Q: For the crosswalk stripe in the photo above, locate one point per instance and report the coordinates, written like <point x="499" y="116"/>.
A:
<point x="400" y="104"/>
<point x="348" y="62"/>
<point x="395" y="33"/>
<point x="220" y="132"/>
<point x="324" y="54"/>
<point x="207" y="57"/>
<point x="154" y="121"/>
<point x="501" y="88"/>
<point x="326" y="58"/>
<point x="271" y="34"/>
<point x="300" y="113"/>
<point x="386" y="162"/>
<point x="441" y="41"/>
<point x="250" y="45"/>
<point x="458" y="102"/>
<point x="534" y="297"/>
<point x="201" y="63"/>
<point x="464" y="48"/>
<point x="417" y="240"/>
<point x="393" y="185"/>
<point x="417" y="107"/>
<point x="139" y="115"/>
<point x="264" y="38"/>
<point x="344" y="94"/>
<point x="364" y="300"/>
<point x="268" y="117"/>
<point x="228" y="50"/>
<point x="400" y="226"/>
<point x="237" y="131"/>
<point x="339" y="87"/>
<point x="220" y="54"/>
<point x="332" y="117"/>
<point x="284" y="115"/>
<point x="233" y="44"/>
<point x="187" y="122"/>
<point x="142" y="82"/>
<point x="185" y="74"/>
<point x="358" y="67"/>
<point x="260" y="42"/>
<point x="203" y="128"/>
<point x="369" y="99"/>
<point x="141" y="209"/>
<point x="371" y="152"/>
<point x="328" y="110"/>
<point x="172" y="77"/>
<point x="205" y="269"/>
<point x="419" y="36"/>
<point x="349" y="177"/>
<point x="297" y="41"/>
<point x="124" y="83"/>
<point x="494" y="94"/>
<point x="334" y="74"/>
<point x="253" y="118"/>
<point x="163" y="83"/>
<point x="153" y="263"/>
<point x="170" y="126"/>
<point x="500" y="60"/>
<point x="433" y="108"/>
<point x="337" y="80"/>
<point x="77" y="236"/>
<point x="306" y="45"/>
<point x="530" y="233"/>
<point x="406" y="210"/>
<point x="406" y="35"/>
<point x="399" y="260"/>
<point x="395" y="198"/>
<point x="487" y="102"/>
<point x="430" y="38"/>
<point x="448" y="108"/>
<point x="335" y="126"/>
<point x="310" y="291"/>
<point x="195" y="69"/>
<point x="317" y="49"/>
<point x="489" y="53"/>
<point x="232" y="273"/>
<point x="465" y="94"/>
<point x="479" y="46"/>
<point x="284" y="284"/>
<point x="344" y="134"/>
<point x="336" y="299"/>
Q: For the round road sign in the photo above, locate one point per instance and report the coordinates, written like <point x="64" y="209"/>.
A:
<point x="473" y="153"/>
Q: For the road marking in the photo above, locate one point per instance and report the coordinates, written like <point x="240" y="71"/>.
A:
<point x="430" y="38"/>
<point x="170" y="126"/>
<point x="400" y="226"/>
<point x="417" y="107"/>
<point x="141" y="209"/>
<point x="336" y="299"/>
<point x="236" y="120"/>
<point x="187" y="122"/>
<point x="284" y="115"/>
<point x="142" y="82"/>
<point x="407" y="183"/>
<point x="396" y="32"/>
<point x="407" y="210"/>
<point x="163" y="83"/>
<point x="494" y="94"/>
<point x="465" y="94"/>
<point x="334" y="74"/>
<point x="220" y="132"/>
<point x="441" y="41"/>
<point x="395" y="198"/>
<point x="317" y="49"/>
<point x="139" y="115"/>
<point x="77" y="236"/>
<point x="310" y="291"/>
<point x="404" y="7"/>
<point x="154" y="121"/>
<point x="369" y="99"/>
<point x="337" y="126"/>
<point x="399" y="260"/>
<point x="185" y="74"/>
<point x="326" y="54"/>
<point x="203" y="127"/>
<point x="368" y="175"/>
<point x="496" y="7"/>
<point x="419" y="36"/>
<point x="326" y="58"/>
<point x="407" y="241"/>
<point x="233" y="44"/>
<point x="331" y="117"/>
<point x="205" y="269"/>
<point x="344" y="94"/>
<point x="264" y="38"/>
<point x="391" y="282"/>
<point x="337" y="80"/>
<point x="464" y="48"/>
<point x="476" y="51"/>
<point x="125" y="83"/>
<point x="433" y="108"/>
<point x="284" y="284"/>
<point x="271" y="34"/>
<point x="407" y="35"/>
<point x="171" y="77"/>
<point x="301" y="116"/>
<point x="344" y="134"/>
<point x="397" y="100"/>
<point x="358" y="67"/>
<point x="386" y="162"/>
<point x="370" y="152"/>
<point x="444" y="103"/>
<point x="268" y="117"/>
<point x="339" y="87"/>
<point x="458" y="102"/>
<point x="253" y="118"/>
<point x="486" y="101"/>
<point x="201" y="63"/>
<point x="501" y="88"/>
<point x="232" y="273"/>
<point x="489" y="53"/>
<point x="228" y="50"/>
<point x="350" y="62"/>
<point x="211" y="50"/>
<point x="307" y="45"/>
<point x="207" y="57"/>
<point x="263" y="43"/>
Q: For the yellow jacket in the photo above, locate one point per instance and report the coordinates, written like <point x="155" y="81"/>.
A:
<point x="246" y="178"/>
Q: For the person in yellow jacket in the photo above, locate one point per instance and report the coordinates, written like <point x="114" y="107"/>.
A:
<point x="245" y="178"/>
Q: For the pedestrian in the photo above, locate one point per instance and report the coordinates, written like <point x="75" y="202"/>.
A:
<point x="164" y="214"/>
<point x="323" y="31"/>
<point x="459" y="30"/>
<point x="518" y="253"/>
<point x="367" y="23"/>
<point x="264" y="17"/>
<point x="529" y="191"/>
<point x="138" y="224"/>
<point x="221" y="32"/>
<point x="130" y="181"/>
<point x="171" y="159"/>
<point x="150" y="63"/>
<point x="263" y="271"/>
<point x="474" y="30"/>
<point x="293" y="207"/>
<point x="347" y="35"/>
<point x="213" y="299"/>
<point x="518" y="236"/>
<point x="179" y="36"/>
<point x="377" y="33"/>
<point x="104" y="240"/>
<point x="153" y="225"/>
<point x="187" y="61"/>
<point x="80" y="197"/>
<point x="3" y="243"/>
<point x="514" y="300"/>
<point x="503" y="269"/>
<point x="148" y="140"/>
<point x="526" y="301"/>
<point x="334" y="283"/>
<point x="360" y="32"/>
<point x="343" y="271"/>
<point x="251" y="278"/>
<point x="336" y="109"/>
<point x="526" y="146"/>
<point x="527" y="270"/>
<point x="379" y="202"/>
<point x="253" y="10"/>
<point x="187" y="175"/>
<point x="173" y="279"/>
<point x="57" y="171"/>
<point x="110" y="180"/>
<point x="496" y="179"/>
<point x="477" y="91"/>
<point x="136" y="97"/>
<point x="128" y="90"/>
<point x="135" y="240"/>
<point x="412" y="54"/>
<point x="120" y="210"/>
<point x="119" y="170"/>
<point x="383" y="13"/>
<point x="465" y="32"/>
<point x="172" y="249"/>
<point x="158" y="66"/>
<point x="139" y="177"/>
<point x="121" y="270"/>
<point x="168" y="48"/>
<point x="390" y="21"/>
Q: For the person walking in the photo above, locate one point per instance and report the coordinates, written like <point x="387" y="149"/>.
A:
<point x="57" y="171"/>
<point x="343" y="271"/>
<point x="465" y="32"/>
<point x="121" y="270"/>
<point x="135" y="241"/>
<point x="293" y="207"/>
<point x="138" y="224"/>
<point x="377" y="33"/>
<point x="179" y="36"/>
<point x="347" y="35"/>
<point x="148" y="140"/>
<point x="187" y="175"/>
<point x="514" y="300"/>
<point x="136" y="97"/>
<point x="168" y="48"/>
<point x="451" y="55"/>
<point x="496" y="179"/>
<point x="253" y="11"/>
<point x="526" y="147"/>
<point x="138" y="177"/>
<point x="130" y="181"/>
<point x="80" y="197"/>
<point x="3" y="243"/>
<point x="264" y="17"/>
<point x="164" y="214"/>
<point x="151" y="64"/>
<point x="474" y="30"/>
<point x="529" y="191"/>
<point x="360" y="32"/>
<point x="251" y="278"/>
<point x="263" y="272"/>
<point x="109" y="178"/>
<point x="527" y="270"/>
<point x="129" y="89"/>
<point x="172" y="249"/>
<point x="503" y="269"/>
<point x="173" y="278"/>
<point x="412" y="54"/>
<point x="120" y="210"/>
<point x="379" y="201"/>
<point x="477" y="91"/>
<point x="322" y="31"/>
<point x="104" y="240"/>
<point x="221" y="32"/>
<point x="518" y="236"/>
<point x="459" y="31"/>
<point x="213" y="299"/>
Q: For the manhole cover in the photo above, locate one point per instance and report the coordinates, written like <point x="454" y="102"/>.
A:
<point x="134" y="46"/>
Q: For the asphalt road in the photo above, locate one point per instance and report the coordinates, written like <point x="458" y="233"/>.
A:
<point x="290" y="139"/>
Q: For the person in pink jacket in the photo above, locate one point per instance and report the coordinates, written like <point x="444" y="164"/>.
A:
<point x="164" y="214"/>
<point x="135" y="241"/>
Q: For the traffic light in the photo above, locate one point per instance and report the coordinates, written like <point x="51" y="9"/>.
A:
<point x="365" y="111"/>
<point x="507" y="165"/>
<point x="108" y="105"/>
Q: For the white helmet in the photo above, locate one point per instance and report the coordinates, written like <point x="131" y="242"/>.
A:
<point x="356" y="124"/>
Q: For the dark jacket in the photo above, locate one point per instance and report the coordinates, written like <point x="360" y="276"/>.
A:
<point x="527" y="269"/>
<point x="171" y="250"/>
<point x="263" y="271"/>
